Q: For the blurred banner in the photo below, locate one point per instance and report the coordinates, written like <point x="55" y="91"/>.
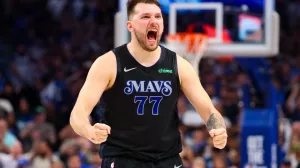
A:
<point x="259" y="140"/>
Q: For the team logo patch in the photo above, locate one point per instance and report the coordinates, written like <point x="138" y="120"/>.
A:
<point x="162" y="70"/>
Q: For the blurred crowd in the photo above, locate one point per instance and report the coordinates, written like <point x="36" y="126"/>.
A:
<point x="47" y="47"/>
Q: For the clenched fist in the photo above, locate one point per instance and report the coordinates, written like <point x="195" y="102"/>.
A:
<point x="98" y="133"/>
<point x="219" y="137"/>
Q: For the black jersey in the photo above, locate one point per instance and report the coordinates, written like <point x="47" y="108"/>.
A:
<point x="142" y="108"/>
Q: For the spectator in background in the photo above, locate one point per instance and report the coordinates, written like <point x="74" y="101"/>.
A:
<point x="16" y="152"/>
<point x="22" y="68"/>
<point x="56" y="7"/>
<point x="7" y="161"/>
<point x="67" y="133"/>
<point x="291" y="104"/>
<point x="38" y="129"/>
<point x="199" y="141"/>
<point x="8" y="138"/>
<point x="7" y="112"/>
<point x="286" y="164"/>
<point x="74" y="162"/>
<point x="294" y="151"/>
<point x="234" y="147"/>
<point x="9" y="94"/>
<point x="199" y="163"/>
<point x="42" y="155"/>
<point x="187" y="156"/>
<point x="25" y="113"/>
<point x="219" y="162"/>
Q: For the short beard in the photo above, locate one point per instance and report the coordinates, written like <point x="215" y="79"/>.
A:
<point x="143" y="45"/>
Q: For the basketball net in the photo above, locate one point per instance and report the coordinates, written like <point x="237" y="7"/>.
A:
<point x="190" y="46"/>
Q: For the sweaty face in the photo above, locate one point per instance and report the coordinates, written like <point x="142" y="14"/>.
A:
<point x="148" y="25"/>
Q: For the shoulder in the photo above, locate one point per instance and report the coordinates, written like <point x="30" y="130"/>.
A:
<point x="184" y="68"/>
<point x="104" y="68"/>
<point x="181" y="60"/>
<point x="105" y="62"/>
<point x="183" y="64"/>
<point x="106" y="59"/>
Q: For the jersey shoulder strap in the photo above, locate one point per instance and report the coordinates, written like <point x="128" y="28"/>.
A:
<point x="118" y="52"/>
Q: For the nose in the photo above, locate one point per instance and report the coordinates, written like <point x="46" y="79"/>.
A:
<point x="153" y="22"/>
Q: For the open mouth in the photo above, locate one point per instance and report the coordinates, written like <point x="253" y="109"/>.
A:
<point x="152" y="35"/>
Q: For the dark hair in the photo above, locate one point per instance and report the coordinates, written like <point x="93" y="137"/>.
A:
<point x="132" y="3"/>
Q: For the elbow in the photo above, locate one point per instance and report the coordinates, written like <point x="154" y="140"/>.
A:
<point x="75" y="120"/>
<point x="75" y="123"/>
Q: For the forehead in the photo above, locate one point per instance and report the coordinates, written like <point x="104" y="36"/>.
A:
<point x="142" y="8"/>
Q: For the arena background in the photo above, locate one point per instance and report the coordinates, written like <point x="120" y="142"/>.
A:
<point x="47" y="47"/>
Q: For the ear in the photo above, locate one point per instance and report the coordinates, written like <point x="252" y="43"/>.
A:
<point x="130" y="26"/>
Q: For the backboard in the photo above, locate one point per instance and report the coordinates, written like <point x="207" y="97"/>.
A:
<point x="234" y="27"/>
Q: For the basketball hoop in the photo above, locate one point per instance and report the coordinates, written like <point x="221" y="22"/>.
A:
<point x="190" y="46"/>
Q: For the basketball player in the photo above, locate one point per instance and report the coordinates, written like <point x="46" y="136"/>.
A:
<point x="140" y="84"/>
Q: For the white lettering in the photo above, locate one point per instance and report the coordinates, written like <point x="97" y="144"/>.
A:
<point x="150" y="88"/>
<point x="139" y="87"/>
<point x="158" y="85"/>
<point x="165" y="87"/>
<point x="255" y="149"/>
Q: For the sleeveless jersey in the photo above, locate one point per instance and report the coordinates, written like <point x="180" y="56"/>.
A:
<point x="141" y="108"/>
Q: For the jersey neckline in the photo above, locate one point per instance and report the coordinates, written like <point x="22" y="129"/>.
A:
<point x="161" y="58"/>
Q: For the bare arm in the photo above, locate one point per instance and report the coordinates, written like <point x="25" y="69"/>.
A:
<point x="99" y="78"/>
<point x="192" y="88"/>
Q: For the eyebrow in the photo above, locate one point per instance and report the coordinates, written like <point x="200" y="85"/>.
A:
<point x="150" y="13"/>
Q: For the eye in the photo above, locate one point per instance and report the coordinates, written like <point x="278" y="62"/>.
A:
<point x="158" y="16"/>
<point x="145" y="17"/>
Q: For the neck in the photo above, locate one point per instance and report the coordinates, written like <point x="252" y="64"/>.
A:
<point x="145" y="58"/>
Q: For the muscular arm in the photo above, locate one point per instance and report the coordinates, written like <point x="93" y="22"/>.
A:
<point x="193" y="90"/>
<point x="99" y="78"/>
